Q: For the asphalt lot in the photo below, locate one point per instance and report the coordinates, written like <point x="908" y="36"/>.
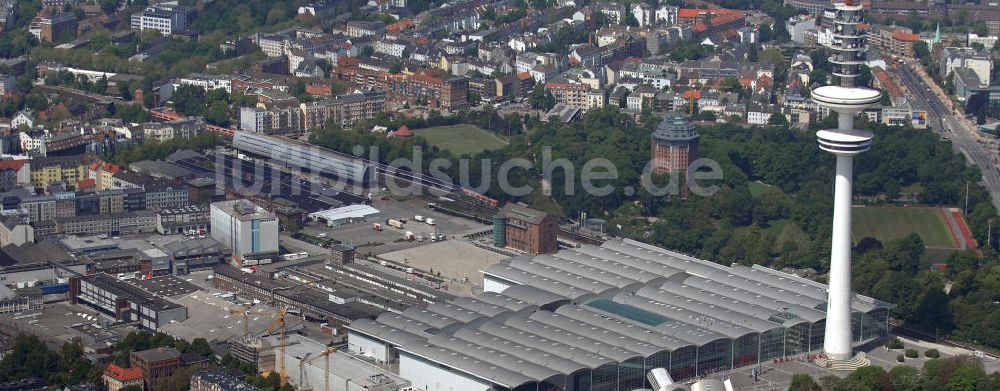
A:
<point x="391" y="239"/>
<point x="457" y="260"/>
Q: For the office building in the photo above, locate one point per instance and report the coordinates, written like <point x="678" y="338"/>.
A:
<point x="125" y="302"/>
<point x="54" y="28"/>
<point x="167" y="18"/>
<point x="251" y="232"/>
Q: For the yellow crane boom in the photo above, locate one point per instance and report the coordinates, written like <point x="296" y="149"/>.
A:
<point x="326" y="375"/>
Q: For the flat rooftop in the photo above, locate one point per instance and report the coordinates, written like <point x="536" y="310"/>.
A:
<point x="167" y="286"/>
<point x="243" y="210"/>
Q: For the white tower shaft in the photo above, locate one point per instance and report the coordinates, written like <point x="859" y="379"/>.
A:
<point x="837" y="342"/>
<point x="847" y="101"/>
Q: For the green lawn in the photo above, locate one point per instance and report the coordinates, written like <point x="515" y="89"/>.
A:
<point x="461" y="139"/>
<point x="756" y="188"/>
<point x="889" y="223"/>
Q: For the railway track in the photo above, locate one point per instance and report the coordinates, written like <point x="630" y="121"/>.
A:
<point x="901" y="329"/>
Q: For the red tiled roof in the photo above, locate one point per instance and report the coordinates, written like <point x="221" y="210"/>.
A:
<point x="403" y="131"/>
<point x="12" y="164"/>
<point x="86" y="183"/>
<point x="688" y="13"/>
<point x="692" y="94"/>
<point x="901" y="36"/>
<point x="122" y="374"/>
<point x="524" y="75"/>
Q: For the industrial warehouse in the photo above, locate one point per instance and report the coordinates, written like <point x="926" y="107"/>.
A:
<point x="601" y="317"/>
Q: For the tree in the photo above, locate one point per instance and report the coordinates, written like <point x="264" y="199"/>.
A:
<point x="541" y="98"/>
<point x="803" y="382"/>
<point x="966" y="377"/>
<point x="200" y="345"/>
<point x="189" y="100"/>
<point x="777" y="119"/>
<point x="921" y="49"/>
<point x="630" y="20"/>
<point x="218" y="113"/>
<point x="109" y="6"/>
<point x="905" y="378"/>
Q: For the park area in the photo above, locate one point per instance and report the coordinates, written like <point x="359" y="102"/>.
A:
<point x="461" y="139"/>
<point x="890" y="223"/>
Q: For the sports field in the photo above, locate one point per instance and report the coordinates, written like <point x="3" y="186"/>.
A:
<point x="889" y="223"/>
<point x="461" y="139"/>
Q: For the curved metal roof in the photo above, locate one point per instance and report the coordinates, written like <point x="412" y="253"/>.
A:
<point x="645" y="301"/>
<point x="474" y="366"/>
<point x="582" y="281"/>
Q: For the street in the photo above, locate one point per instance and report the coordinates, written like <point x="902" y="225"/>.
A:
<point x="966" y="139"/>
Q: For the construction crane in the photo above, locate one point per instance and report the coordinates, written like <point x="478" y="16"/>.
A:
<point x="326" y="375"/>
<point x="279" y="324"/>
<point x="245" y="313"/>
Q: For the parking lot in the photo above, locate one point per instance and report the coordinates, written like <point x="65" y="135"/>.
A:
<point x="392" y="239"/>
<point x="456" y="260"/>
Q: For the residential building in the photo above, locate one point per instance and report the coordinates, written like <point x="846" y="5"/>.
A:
<point x="674" y="145"/>
<point x="344" y="110"/>
<point x="897" y="41"/>
<point x="356" y="28"/>
<point x="57" y="169"/>
<point x="759" y="114"/>
<point x="207" y="82"/>
<point x="813" y="7"/>
<point x="181" y="128"/>
<point x="575" y="95"/>
<point x="797" y="26"/>
<point x="115" y="377"/>
<point x="952" y="58"/>
<point x="449" y="93"/>
<point x="15" y="230"/>
<point x="14" y="174"/>
<point x="277" y="120"/>
<point x="8" y="84"/>
<point x="525" y="229"/>
<point x="249" y="230"/>
<point x="24" y="118"/>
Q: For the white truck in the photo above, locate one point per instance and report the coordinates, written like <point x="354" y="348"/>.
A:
<point x="430" y="222"/>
